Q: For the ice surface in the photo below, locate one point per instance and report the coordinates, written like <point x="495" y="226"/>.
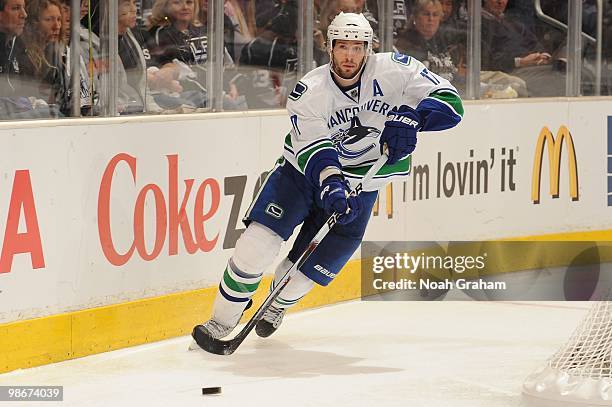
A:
<point x="430" y="354"/>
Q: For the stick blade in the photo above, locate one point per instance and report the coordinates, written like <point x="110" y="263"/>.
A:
<point x="210" y="344"/>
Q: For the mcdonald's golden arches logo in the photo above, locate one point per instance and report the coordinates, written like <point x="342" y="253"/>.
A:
<point x="555" y="151"/>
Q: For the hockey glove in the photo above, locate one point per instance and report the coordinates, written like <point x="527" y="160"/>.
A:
<point x="400" y="132"/>
<point x="334" y="197"/>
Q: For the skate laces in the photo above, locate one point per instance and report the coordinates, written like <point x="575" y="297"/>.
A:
<point x="216" y="329"/>
<point x="274" y="315"/>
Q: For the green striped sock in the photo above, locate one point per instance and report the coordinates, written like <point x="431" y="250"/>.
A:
<point x="237" y="284"/>
<point x="280" y="302"/>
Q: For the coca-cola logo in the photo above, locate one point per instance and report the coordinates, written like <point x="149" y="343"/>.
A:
<point x="171" y="217"/>
<point x="173" y="223"/>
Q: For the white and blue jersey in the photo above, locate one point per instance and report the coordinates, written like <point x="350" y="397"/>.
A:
<point x="341" y="127"/>
<point x="336" y="127"/>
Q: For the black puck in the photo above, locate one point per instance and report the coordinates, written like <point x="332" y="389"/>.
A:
<point x="211" y="390"/>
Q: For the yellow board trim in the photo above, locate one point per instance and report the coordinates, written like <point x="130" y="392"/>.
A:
<point x="55" y="338"/>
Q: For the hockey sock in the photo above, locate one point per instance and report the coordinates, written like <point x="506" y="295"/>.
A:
<point x="298" y="286"/>
<point x="255" y="251"/>
<point x="235" y="290"/>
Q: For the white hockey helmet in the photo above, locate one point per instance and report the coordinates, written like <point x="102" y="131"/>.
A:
<point x="351" y="27"/>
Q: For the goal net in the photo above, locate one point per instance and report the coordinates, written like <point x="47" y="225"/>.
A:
<point x="580" y="373"/>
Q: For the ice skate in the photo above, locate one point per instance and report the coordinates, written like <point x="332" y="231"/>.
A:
<point x="270" y="322"/>
<point x="214" y="329"/>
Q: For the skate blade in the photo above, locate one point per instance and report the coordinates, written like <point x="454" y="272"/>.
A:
<point x="193" y="346"/>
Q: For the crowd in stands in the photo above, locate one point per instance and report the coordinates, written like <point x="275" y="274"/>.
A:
<point x="521" y="56"/>
<point x="163" y="51"/>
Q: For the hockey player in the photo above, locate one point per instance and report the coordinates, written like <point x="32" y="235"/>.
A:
<point x="342" y="115"/>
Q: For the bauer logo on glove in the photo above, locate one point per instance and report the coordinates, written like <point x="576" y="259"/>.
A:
<point x="404" y="119"/>
<point x="400" y="132"/>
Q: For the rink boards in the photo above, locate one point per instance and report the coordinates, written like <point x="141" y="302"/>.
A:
<point x="116" y="231"/>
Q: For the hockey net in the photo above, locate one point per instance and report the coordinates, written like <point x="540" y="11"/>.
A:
<point x="581" y="371"/>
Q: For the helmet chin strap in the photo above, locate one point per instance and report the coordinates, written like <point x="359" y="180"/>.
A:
<point x="344" y="81"/>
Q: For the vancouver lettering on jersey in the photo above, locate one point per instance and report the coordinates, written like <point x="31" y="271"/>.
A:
<point x="345" y="115"/>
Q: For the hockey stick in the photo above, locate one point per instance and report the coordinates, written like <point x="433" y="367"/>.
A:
<point x="227" y="347"/>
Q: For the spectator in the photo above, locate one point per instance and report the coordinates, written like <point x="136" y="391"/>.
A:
<point x="232" y="80"/>
<point x="401" y="15"/>
<point x="269" y="62"/>
<point x="240" y="28"/>
<point x="229" y="28"/>
<point x="447" y="9"/>
<point x="423" y="41"/>
<point x="508" y="46"/>
<point x="179" y="42"/>
<point x="43" y="35"/>
<point x="524" y="12"/>
<point x="12" y="58"/>
<point x="265" y="11"/>
<point x="332" y="8"/>
<point x="320" y="55"/>
<point x="452" y="27"/>
<point x="65" y="11"/>
<point x="134" y="96"/>
<point x="267" y="14"/>
<point x="557" y="39"/>
<point x="89" y="75"/>
<point x="91" y="18"/>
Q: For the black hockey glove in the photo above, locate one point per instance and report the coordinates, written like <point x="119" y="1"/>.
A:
<point x="400" y="132"/>
<point x="334" y="197"/>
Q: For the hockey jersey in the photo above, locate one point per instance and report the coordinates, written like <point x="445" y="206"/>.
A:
<point x="330" y="124"/>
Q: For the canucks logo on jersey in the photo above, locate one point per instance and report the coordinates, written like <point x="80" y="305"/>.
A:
<point x="347" y="141"/>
